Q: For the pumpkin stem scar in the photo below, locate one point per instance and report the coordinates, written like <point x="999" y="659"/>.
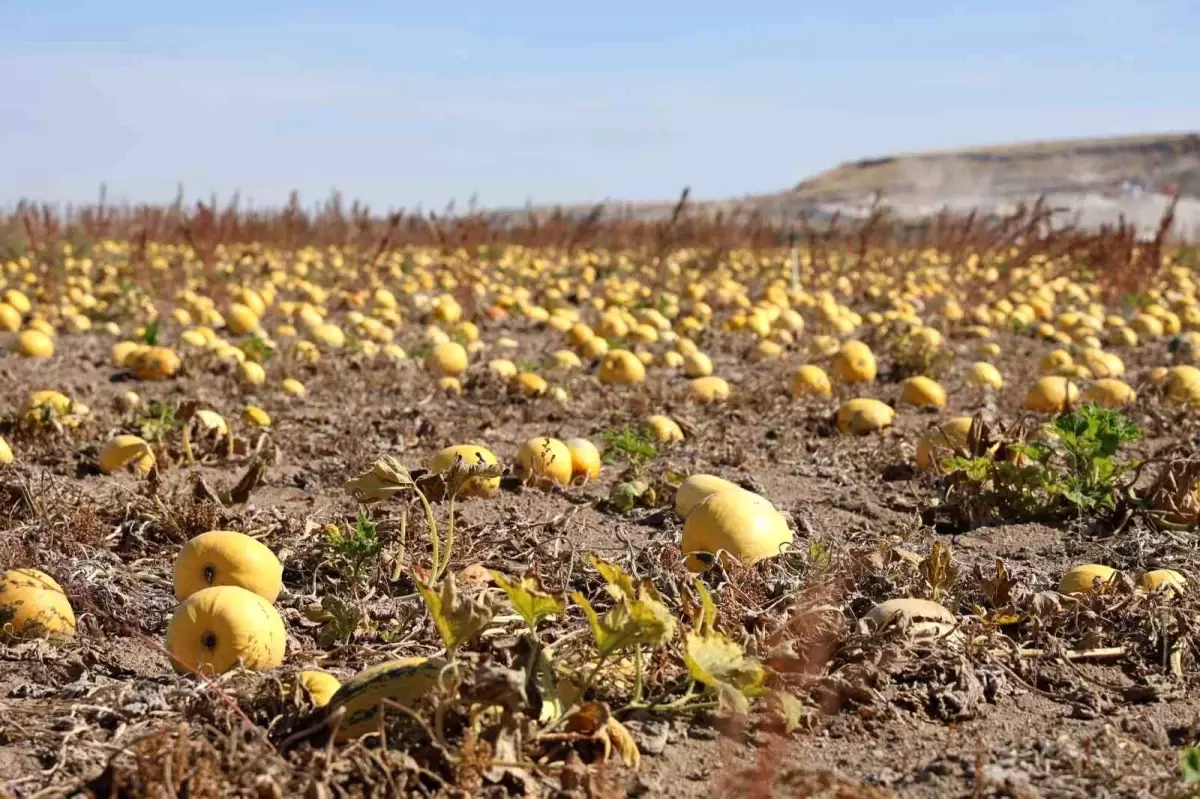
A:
<point x="208" y="641"/>
<point x="209" y="574"/>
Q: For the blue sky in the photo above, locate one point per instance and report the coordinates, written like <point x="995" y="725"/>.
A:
<point x="402" y="103"/>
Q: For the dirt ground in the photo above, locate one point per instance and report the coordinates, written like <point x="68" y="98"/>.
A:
<point x="105" y="714"/>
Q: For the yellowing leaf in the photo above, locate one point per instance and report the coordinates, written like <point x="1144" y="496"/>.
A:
<point x="614" y="575"/>
<point x="623" y="742"/>
<point x="458" y="620"/>
<point x="529" y="599"/>
<point x="708" y="610"/>
<point x="790" y="708"/>
<point x="642" y="622"/>
<point x="714" y="659"/>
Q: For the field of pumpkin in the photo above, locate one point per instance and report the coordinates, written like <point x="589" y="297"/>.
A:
<point x="326" y="505"/>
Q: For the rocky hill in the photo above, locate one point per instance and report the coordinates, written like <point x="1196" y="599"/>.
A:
<point x="1120" y="166"/>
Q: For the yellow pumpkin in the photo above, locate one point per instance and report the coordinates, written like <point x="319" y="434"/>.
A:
<point x="811" y="381"/>
<point x="699" y="487"/>
<point x="854" y="363"/>
<point x="1085" y="579"/>
<point x="664" y="429"/>
<point x="707" y="390"/>
<point x="530" y="384"/>
<point x="293" y="387"/>
<point x="471" y="454"/>
<point x="697" y="364"/>
<point x="736" y="523"/>
<point x="256" y="416"/>
<point x="985" y="375"/>
<point x="585" y="458"/>
<point x="126" y="450"/>
<point x="6" y="453"/>
<point x="448" y="359"/>
<point x="864" y="415"/>
<point x="1051" y="394"/>
<point x="216" y="628"/>
<point x="241" y="320"/>
<point x="33" y="605"/>
<point x="621" y="368"/>
<point x="544" y="462"/>
<point x="319" y="685"/>
<point x="502" y="368"/>
<point x="155" y="363"/>
<point x="1158" y="578"/>
<point x="34" y="344"/>
<point x="922" y="392"/>
<point x="252" y="373"/>
<point x="225" y="557"/>
<point x="1110" y="393"/>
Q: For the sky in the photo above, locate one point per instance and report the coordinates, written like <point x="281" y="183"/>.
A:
<point x="403" y="104"/>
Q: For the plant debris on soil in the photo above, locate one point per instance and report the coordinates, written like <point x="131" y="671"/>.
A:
<point x="575" y="654"/>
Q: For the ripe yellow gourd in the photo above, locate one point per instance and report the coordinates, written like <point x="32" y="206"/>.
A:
<point x="585" y="458"/>
<point x="225" y="557"/>
<point x="502" y="368"/>
<point x="1051" y="394"/>
<point x="6" y="453"/>
<point x="366" y="696"/>
<point x="544" y="462"/>
<point x="256" y="416"/>
<point x="811" y="381"/>
<point x="471" y="454"/>
<point x="329" y="335"/>
<point x="697" y="364"/>
<point x="1158" y="578"/>
<point x="530" y="384"/>
<point x="126" y="450"/>
<point x="10" y="318"/>
<point x="854" y="363"/>
<point x="664" y="429"/>
<point x="447" y="359"/>
<point x="1110" y="393"/>
<point x="864" y="415"/>
<point x="699" y="487"/>
<point x="123" y="353"/>
<point x="293" y="387"/>
<point x="216" y="628"/>
<point x="565" y="359"/>
<point x="34" y="344"/>
<point x="1085" y="579"/>
<point x="709" y="389"/>
<point x="922" y="392"/>
<point x="241" y="320"/>
<point x="33" y="605"/>
<point x="621" y="368"/>
<point x="736" y="523"/>
<point x="252" y="373"/>
<point x="155" y="363"/>
<point x="942" y="442"/>
<point x="319" y="685"/>
<point x="985" y="375"/>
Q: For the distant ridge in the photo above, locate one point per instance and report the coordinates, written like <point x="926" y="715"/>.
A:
<point x="1163" y="163"/>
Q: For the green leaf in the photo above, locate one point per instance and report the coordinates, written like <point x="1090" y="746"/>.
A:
<point x="1189" y="765"/>
<point x="529" y="599"/>
<point x="458" y="620"/>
